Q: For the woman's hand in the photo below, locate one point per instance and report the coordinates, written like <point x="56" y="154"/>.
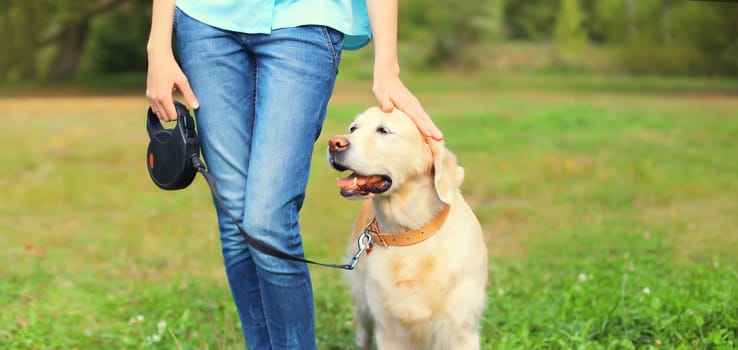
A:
<point x="163" y="78"/>
<point x="164" y="75"/>
<point x="388" y="89"/>
<point x="390" y="92"/>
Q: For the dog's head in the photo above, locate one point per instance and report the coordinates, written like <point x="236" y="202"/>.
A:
<point x="386" y="151"/>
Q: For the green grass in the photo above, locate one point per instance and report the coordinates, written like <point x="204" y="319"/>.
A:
<point x="610" y="214"/>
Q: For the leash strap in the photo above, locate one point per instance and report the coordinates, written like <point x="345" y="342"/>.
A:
<point x="364" y="239"/>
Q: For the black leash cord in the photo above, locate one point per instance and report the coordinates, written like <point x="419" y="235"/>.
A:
<point x="261" y="246"/>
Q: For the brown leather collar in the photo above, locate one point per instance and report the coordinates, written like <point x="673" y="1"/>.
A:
<point x="409" y="237"/>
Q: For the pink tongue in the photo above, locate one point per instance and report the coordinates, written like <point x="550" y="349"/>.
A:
<point x="347" y="182"/>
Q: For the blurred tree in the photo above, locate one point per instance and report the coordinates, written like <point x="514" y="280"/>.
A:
<point x="32" y="25"/>
<point x="492" y="20"/>
<point x="75" y="19"/>
<point x="449" y="26"/>
<point x="604" y="21"/>
<point x="414" y="20"/>
<point x="630" y="19"/>
<point x="665" y="14"/>
<point x="30" y="18"/>
<point x="569" y="31"/>
<point x="530" y="20"/>
<point x="686" y="38"/>
<point x="55" y="39"/>
<point x="456" y="26"/>
<point x="711" y="31"/>
<point x="117" y="41"/>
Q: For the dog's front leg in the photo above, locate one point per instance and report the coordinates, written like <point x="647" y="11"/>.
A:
<point x="364" y="327"/>
<point x="391" y="339"/>
<point x="362" y="315"/>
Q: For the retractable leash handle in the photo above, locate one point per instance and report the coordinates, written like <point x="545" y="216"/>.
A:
<point x="170" y="150"/>
<point x="173" y="160"/>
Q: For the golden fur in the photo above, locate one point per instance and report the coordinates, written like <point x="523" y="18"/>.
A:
<point x="429" y="295"/>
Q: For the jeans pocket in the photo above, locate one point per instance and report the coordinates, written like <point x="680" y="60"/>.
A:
<point x="334" y="43"/>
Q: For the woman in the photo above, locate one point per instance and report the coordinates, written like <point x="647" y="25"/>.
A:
<point x="259" y="75"/>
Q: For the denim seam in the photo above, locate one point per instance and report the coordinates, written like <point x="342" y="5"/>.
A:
<point x="255" y="89"/>
<point x="329" y="44"/>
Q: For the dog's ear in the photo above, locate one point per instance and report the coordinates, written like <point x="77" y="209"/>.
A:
<point x="447" y="174"/>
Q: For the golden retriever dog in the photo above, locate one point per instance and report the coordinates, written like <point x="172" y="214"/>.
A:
<point x="421" y="285"/>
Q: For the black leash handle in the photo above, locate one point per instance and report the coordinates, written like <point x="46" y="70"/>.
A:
<point x="263" y="247"/>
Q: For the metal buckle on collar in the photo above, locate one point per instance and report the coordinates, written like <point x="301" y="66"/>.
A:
<point x="364" y="242"/>
<point x="373" y="227"/>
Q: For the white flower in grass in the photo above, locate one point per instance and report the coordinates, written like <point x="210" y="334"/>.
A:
<point x="155" y="338"/>
<point x="646" y="290"/>
<point x="582" y="277"/>
<point x="161" y="326"/>
<point x="136" y="319"/>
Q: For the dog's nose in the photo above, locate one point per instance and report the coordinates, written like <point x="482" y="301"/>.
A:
<point x="337" y="144"/>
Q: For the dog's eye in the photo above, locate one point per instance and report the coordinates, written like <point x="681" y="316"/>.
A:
<point x="352" y="128"/>
<point x="383" y="130"/>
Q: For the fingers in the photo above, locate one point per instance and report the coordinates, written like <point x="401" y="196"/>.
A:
<point x="412" y="107"/>
<point x="163" y="78"/>
<point x="159" y="94"/>
<point x="162" y="102"/>
<point x="163" y="107"/>
<point x="427" y="127"/>
<point x="189" y="96"/>
<point x="391" y="92"/>
<point x="385" y="102"/>
<point x="170" y="112"/>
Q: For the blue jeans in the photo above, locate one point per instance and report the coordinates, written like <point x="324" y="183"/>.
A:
<point x="263" y="100"/>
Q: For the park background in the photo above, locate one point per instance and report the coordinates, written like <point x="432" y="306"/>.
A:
<point x="599" y="139"/>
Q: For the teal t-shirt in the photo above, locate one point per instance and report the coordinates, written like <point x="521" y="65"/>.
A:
<point x="262" y="16"/>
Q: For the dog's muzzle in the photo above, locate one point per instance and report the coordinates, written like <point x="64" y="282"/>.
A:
<point x="356" y="185"/>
